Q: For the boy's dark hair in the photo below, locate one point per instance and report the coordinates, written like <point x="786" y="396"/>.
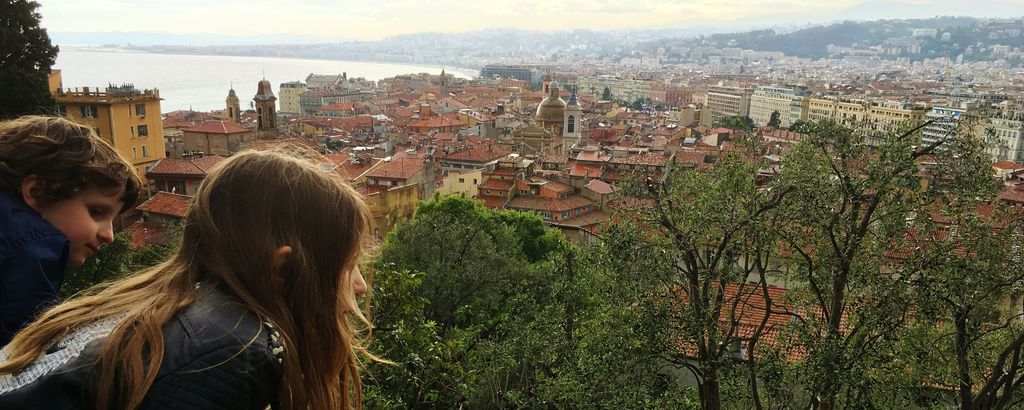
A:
<point x="65" y="156"/>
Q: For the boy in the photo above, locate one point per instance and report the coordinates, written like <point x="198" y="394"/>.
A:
<point x="61" y="187"/>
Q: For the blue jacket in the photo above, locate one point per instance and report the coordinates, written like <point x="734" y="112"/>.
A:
<point x="33" y="260"/>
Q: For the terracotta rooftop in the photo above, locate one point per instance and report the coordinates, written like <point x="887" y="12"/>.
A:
<point x="496" y="184"/>
<point x="198" y="167"/>
<point x="599" y="186"/>
<point x="166" y="203"/>
<point x="219" y="127"/>
<point x="436" y="122"/>
<point x="398" y="168"/>
<point x="492" y="201"/>
<point x="536" y="203"/>
<point x="1008" y="165"/>
<point x="479" y="153"/>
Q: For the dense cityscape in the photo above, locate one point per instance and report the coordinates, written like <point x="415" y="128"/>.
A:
<point x="822" y="218"/>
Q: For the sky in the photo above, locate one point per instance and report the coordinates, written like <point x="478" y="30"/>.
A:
<point x="376" y="19"/>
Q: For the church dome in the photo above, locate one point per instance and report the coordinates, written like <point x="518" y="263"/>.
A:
<point x="264" y="91"/>
<point x="551" y="109"/>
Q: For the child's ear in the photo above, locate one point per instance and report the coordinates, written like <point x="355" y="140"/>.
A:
<point x="29" y="187"/>
<point x="279" y="257"/>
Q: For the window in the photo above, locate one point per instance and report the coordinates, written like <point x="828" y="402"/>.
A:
<point x="62" y="110"/>
<point x="140" y="109"/>
<point x="88" y="111"/>
<point x="143" y="130"/>
<point x="131" y="129"/>
<point x="570" y="125"/>
<point x="474" y="181"/>
<point x="461" y="180"/>
<point x="145" y="151"/>
<point x="135" y="153"/>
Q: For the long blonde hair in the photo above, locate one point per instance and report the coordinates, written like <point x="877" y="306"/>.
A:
<point x="252" y="204"/>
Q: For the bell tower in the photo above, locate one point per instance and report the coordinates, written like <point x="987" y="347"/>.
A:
<point x="444" y="85"/>
<point x="234" y="107"/>
<point x="266" y="107"/>
<point x="573" y="115"/>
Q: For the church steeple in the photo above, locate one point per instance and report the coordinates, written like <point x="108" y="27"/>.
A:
<point x="573" y="115"/>
<point x="266" y="107"/>
<point x="234" y="107"/>
<point x="444" y="85"/>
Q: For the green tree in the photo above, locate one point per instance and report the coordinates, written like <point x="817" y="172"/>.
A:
<point x="849" y="203"/>
<point x="26" y="56"/>
<point x="638" y="104"/>
<point x="774" y="121"/>
<point x="966" y="269"/>
<point x="465" y="274"/>
<point x="114" y="261"/>
<point x="736" y="123"/>
<point x="800" y="126"/>
<point x="606" y="95"/>
<point x="712" y="232"/>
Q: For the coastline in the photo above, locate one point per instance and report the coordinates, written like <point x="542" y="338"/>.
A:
<point x="464" y="72"/>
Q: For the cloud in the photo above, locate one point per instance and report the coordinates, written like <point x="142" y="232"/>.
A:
<point x="375" y="19"/>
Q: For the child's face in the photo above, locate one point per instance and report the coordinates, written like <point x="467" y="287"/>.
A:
<point x="86" y="219"/>
<point x="358" y="283"/>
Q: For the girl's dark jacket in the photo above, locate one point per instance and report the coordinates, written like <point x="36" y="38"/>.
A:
<point x="217" y="355"/>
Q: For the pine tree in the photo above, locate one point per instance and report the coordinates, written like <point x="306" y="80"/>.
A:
<point x="26" y="56"/>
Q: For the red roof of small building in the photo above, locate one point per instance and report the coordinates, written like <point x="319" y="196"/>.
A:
<point x="479" y="153"/>
<point x="398" y="168"/>
<point x="536" y="203"/>
<point x="219" y="127"/>
<point x="436" y="122"/>
<point x="198" y="167"/>
<point x="166" y="203"/>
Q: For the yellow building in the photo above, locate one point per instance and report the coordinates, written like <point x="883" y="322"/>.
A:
<point x="464" y="181"/>
<point x="126" y="117"/>
<point x="879" y="117"/>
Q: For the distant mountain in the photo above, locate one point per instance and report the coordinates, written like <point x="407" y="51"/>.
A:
<point x="149" y="38"/>
<point x="965" y="34"/>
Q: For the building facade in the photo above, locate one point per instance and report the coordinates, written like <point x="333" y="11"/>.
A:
<point x="628" y="89"/>
<point x="289" y="100"/>
<point x="127" y="118"/>
<point x="724" y="101"/>
<point x="789" y="102"/>
<point x="519" y="72"/>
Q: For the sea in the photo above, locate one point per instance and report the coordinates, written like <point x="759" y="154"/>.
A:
<point x="201" y="82"/>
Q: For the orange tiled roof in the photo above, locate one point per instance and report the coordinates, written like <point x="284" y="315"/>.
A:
<point x="599" y="186"/>
<point x="496" y="184"/>
<point x="480" y="153"/>
<point x="536" y="203"/>
<point x="436" y="122"/>
<point x="198" y="167"/>
<point x="166" y="203"/>
<point x="398" y="168"/>
<point x="1008" y="165"/>
<point x="218" y="127"/>
<point x="492" y="201"/>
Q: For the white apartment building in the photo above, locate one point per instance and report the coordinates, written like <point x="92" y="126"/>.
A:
<point x="1007" y="137"/>
<point x="789" y="102"/>
<point x="627" y="89"/>
<point x="289" y="97"/>
<point x="724" y="101"/>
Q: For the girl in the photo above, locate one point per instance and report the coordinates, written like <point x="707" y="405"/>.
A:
<point x="254" y="309"/>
